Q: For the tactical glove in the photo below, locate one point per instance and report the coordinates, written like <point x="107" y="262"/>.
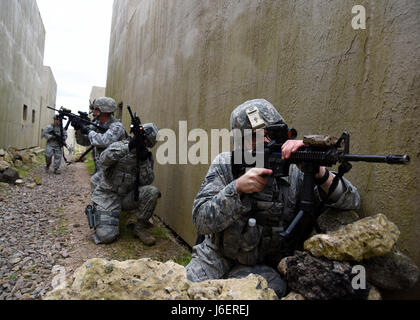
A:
<point x="84" y="129"/>
<point x="133" y="143"/>
<point x="136" y="143"/>
<point x="75" y="124"/>
<point x="145" y="154"/>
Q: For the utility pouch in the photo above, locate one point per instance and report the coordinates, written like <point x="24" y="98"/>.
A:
<point x="240" y="243"/>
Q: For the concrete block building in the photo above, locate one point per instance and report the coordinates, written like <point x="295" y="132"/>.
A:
<point x="26" y="85"/>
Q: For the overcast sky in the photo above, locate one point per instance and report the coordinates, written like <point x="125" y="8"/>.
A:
<point x="76" y="47"/>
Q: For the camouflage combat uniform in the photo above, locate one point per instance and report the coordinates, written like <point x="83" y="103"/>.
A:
<point x="53" y="148"/>
<point x="221" y="214"/>
<point x="114" y="191"/>
<point x="101" y="141"/>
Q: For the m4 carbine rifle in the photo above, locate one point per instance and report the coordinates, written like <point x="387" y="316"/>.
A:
<point x="136" y="128"/>
<point x="82" y="118"/>
<point x="318" y="151"/>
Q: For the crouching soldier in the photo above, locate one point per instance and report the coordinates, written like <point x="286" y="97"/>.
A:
<point x="121" y="170"/>
<point x="242" y="215"/>
<point x="56" y="138"/>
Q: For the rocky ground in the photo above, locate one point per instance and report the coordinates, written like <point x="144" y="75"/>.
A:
<point x="44" y="233"/>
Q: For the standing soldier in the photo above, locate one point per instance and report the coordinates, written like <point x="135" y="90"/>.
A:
<point x="103" y="109"/>
<point x="116" y="189"/>
<point x="56" y="138"/>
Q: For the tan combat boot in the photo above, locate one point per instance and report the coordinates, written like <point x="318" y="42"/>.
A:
<point x="144" y="236"/>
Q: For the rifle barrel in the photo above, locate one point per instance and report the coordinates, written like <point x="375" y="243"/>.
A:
<point x="389" y="159"/>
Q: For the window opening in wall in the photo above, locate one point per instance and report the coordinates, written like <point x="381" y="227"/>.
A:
<point x="25" y="112"/>
<point x="33" y="116"/>
<point x="120" y="111"/>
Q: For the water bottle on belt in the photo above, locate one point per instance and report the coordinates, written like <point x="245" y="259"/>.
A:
<point x="249" y="248"/>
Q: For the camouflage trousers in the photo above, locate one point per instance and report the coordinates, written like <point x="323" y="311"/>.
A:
<point x="108" y="206"/>
<point x="208" y="263"/>
<point x="56" y="152"/>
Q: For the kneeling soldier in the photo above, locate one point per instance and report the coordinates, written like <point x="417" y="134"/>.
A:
<point x="115" y="192"/>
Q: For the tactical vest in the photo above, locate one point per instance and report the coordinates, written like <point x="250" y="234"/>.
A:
<point x="273" y="208"/>
<point x="122" y="175"/>
<point x="53" y="141"/>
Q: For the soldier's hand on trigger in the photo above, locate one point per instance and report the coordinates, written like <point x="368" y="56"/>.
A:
<point x="253" y="181"/>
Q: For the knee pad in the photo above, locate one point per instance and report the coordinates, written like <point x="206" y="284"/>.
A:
<point x="107" y="225"/>
<point x="106" y="234"/>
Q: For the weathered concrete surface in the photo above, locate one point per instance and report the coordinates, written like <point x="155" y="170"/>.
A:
<point x="197" y="60"/>
<point x="22" y="78"/>
<point x="48" y="98"/>
<point x="96" y="92"/>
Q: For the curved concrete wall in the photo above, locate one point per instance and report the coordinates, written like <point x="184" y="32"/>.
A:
<point x="196" y="60"/>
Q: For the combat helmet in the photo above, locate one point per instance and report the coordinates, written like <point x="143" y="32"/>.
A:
<point x="254" y="114"/>
<point x="104" y="104"/>
<point x="151" y="132"/>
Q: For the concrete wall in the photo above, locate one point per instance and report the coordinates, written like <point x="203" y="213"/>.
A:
<point x="22" y="38"/>
<point x="48" y="99"/>
<point x="96" y="92"/>
<point x="197" y="60"/>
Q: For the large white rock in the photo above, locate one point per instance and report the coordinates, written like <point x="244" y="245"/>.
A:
<point x="146" y="279"/>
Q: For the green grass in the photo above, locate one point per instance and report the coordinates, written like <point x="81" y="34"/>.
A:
<point x="159" y="233"/>
<point x="61" y="227"/>
<point x="184" y="259"/>
<point x="90" y="164"/>
<point x="40" y="158"/>
<point x="26" y="169"/>
<point x="23" y="171"/>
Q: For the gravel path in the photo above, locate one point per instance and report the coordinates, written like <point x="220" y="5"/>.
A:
<point x="33" y="233"/>
<point x="44" y="234"/>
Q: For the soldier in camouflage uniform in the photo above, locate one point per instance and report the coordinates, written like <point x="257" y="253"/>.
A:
<point x="222" y="208"/>
<point x="103" y="109"/>
<point x="114" y="188"/>
<point x="54" y="147"/>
